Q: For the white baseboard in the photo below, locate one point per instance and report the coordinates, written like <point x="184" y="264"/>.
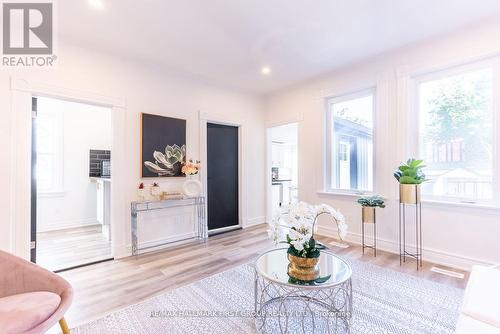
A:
<point x="433" y="255"/>
<point x="122" y="251"/>
<point x="255" y="221"/>
<point x="67" y="224"/>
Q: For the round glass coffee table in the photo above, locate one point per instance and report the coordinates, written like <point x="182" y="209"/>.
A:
<point x="283" y="305"/>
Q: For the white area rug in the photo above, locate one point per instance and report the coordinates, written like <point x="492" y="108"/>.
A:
<point x="384" y="301"/>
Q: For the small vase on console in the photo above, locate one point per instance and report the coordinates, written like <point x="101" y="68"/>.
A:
<point x="192" y="186"/>
<point x="140" y="192"/>
<point x="156" y="191"/>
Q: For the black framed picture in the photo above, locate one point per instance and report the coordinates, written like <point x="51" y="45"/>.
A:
<point x="163" y="146"/>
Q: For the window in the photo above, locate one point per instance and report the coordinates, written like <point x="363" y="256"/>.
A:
<point x="49" y="169"/>
<point x="350" y="142"/>
<point x="456" y="134"/>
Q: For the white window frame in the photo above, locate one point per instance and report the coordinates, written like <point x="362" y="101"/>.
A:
<point x="415" y="142"/>
<point x="330" y="152"/>
<point x="57" y="188"/>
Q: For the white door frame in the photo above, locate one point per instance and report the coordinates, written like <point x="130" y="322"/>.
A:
<point x="269" y="164"/>
<point x="22" y="91"/>
<point x="206" y="118"/>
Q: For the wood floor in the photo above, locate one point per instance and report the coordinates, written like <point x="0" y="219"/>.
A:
<point x="104" y="287"/>
<point x="67" y="248"/>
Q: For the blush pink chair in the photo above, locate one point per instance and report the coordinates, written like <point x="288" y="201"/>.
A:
<point x="32" y="299"/>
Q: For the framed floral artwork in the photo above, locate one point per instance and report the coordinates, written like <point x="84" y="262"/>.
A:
<point x="163" y="146"/>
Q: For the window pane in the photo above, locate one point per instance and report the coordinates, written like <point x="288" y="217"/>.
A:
<point x="456" y="135"/>
<point x="352" y="158"/>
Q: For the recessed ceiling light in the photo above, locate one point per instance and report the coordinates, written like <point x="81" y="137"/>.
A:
<point x="265" y="70"/>
<point x="98" y="4"/>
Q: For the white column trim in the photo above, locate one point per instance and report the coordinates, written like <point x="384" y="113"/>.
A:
<point x="22" y="91"/>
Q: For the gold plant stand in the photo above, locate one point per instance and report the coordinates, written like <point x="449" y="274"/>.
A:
<point x="368" y="216"/>
<point x="409" y="196"/>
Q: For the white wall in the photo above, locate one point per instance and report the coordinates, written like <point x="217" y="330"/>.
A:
<point x="455" y="235"/>
<point x="83" y="127"/>
<point x="145" y="88"/>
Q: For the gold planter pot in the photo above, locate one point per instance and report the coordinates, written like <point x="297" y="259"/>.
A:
<point x="409" y="193"/>
<point x="303" y="269"/>
<point x="368" y="214"/>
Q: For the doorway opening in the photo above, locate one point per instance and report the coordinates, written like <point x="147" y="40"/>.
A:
<point x="71" y="183"/>
<point x="283" y="146"/>
<point x="222" y="178"/>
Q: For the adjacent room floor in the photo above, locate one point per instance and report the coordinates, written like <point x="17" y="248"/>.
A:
<point x="67" y="248"/>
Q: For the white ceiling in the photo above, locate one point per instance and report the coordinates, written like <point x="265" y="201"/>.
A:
<point x="228" y="41"/>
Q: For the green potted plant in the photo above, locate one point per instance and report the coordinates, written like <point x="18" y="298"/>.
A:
<point x="410" y="176"/>
<point x="368" y="205"/>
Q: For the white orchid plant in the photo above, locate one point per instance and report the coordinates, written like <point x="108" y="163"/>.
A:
<point x="300" y="220"/>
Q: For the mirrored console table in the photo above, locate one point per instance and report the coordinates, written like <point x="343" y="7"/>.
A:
<point x="198" y="203"/>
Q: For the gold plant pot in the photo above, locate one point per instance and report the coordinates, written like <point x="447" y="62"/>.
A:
<point x="368" y="214"/>
<point x="409" y="193"/>
<point x="303" y="269"/>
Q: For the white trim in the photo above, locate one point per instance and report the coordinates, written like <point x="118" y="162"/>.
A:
<point x="268" y="176"/>
<point x="423" y="69"/>
<point x="42" y="89"/>
<point x="447" y="205"/>
<point x="224" y="229"/>
<point x="350" y="91"/>
<point x="51" y="194"/>
<point x="20" y="191"/>
<point x="353" y="95"/>
<point x="436" y="256"/>
<point x="255" y="221"/>
<point x="446" y="272"/>
<point x="346" y="193"/>
<point x="22" y="91"/>
<point x="68" y="224"/>
<point x="204" y="119"/>
<point x="328" y="124"/>
<point x="297" y="118"/>
<point x="450" y="71"/>
<point x="408" y="79"/>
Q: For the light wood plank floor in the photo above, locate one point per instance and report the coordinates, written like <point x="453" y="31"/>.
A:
<point x="104" y="287"/>
<point x="67" y="248"/>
